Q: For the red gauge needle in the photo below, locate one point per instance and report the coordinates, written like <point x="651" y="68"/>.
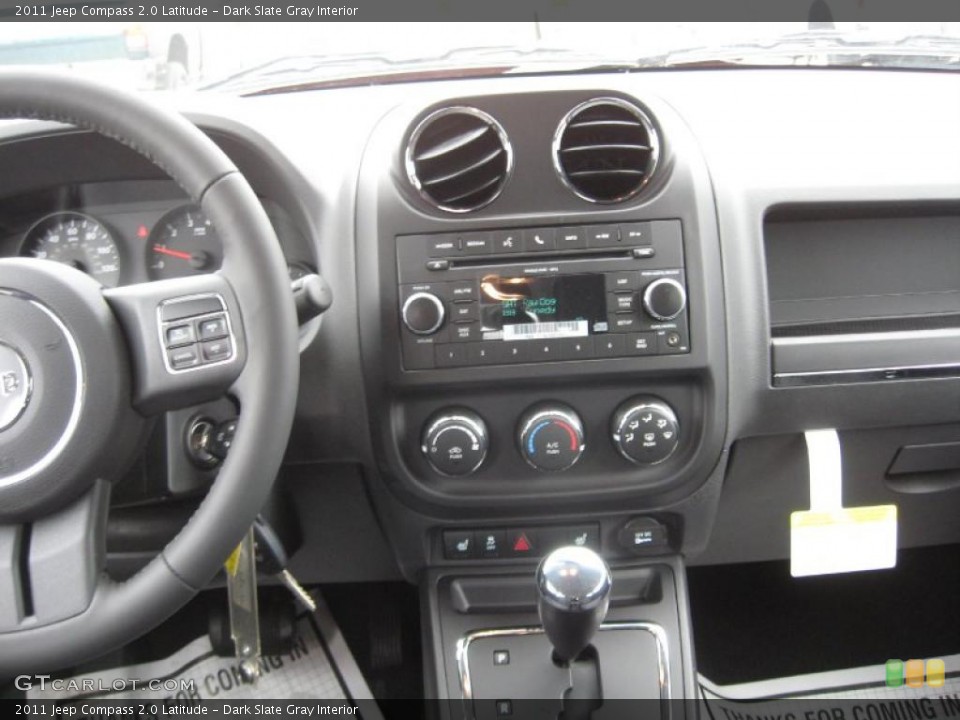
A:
<point x="172" y="253"/>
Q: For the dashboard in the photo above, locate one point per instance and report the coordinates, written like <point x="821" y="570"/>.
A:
<point x="584" y="308"/>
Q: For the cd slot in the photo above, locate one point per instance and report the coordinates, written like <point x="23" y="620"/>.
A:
<point x="538" y="258"/>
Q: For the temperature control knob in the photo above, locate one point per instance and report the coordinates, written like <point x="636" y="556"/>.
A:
<point x="645" y="430"/>
<point x="551" y="437"/>
<point x="423" y="313"/>
<point x="455" y="441"/>
<point x="664" y="299"/>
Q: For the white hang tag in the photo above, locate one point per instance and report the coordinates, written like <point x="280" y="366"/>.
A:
<point x="829" y="538"/>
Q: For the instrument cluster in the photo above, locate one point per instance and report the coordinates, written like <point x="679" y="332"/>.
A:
<point x="133" y="235"/>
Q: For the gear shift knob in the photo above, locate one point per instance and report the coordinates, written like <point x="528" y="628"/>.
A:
<point x="573" y="586"/>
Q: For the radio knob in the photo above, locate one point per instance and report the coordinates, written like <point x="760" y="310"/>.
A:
<point x="455" y="442"/>
<point x="551" y="437"/>
<point x="645" y="430"/>
<point x="664" y="299"/>
<point x="423" y="313"/>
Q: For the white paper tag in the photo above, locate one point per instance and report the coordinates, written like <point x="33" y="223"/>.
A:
<point x="829" y="538"/>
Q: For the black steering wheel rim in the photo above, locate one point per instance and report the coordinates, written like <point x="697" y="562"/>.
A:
<point x="254" y="271"/>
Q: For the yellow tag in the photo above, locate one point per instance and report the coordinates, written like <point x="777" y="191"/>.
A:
<point x="232" y="562"/>
<point x="843" y="540"/>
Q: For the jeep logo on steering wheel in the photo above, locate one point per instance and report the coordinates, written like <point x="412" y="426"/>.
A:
<point x="15" y="386"/>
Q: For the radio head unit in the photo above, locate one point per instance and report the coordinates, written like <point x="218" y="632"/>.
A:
<point x="542" y="295"/>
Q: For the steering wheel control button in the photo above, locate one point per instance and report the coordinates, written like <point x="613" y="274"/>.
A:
<point x="207" y="322"/>
<point x="664" y="299"/>
<point x="183" y="357"/>
<point x="551" y="437"/>
<point x="212" y="328"/>
<point x="455" y="442"/>
<point x="181" y="335"/>
<point x="16" y="386"/>
<point x="423" y="313"/>
<point x="644" y="535"/>
<point x="190" y="307"/>
<point x="216" y="350"/>
<point x="459" y="545"/>
<point x="645" y="430"/>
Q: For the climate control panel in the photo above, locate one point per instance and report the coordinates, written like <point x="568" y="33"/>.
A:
<point x="550" y="436"/>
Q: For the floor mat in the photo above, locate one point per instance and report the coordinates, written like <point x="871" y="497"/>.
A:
<point x="319" y="666"/>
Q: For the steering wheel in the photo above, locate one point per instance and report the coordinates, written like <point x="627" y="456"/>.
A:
<point x="83" y="367"/>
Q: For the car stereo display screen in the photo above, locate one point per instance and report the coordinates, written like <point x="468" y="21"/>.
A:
<point x="536" y="308"/>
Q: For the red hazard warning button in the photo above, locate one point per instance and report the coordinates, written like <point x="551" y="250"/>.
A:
<point x="521" y="543"/>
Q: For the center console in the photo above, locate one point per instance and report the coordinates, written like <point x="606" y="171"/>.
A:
<point x="544" y="348"/>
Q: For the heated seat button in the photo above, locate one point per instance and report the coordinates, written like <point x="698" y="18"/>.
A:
<point x="214" y="327"/>
<point x="216" y="350"/>
<point x="183" y="357"/>
<point x="458" y="545"/>
<point x="180" y="335"/>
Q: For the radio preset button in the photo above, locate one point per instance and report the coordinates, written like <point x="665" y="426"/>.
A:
<point x="512" y="352"/>
<point x="577" y="348"/>
<point x="454" y="355"/>
<point x="483" y="353"/>
<point x="610" y="346"/>
<point x="539" y="239"/>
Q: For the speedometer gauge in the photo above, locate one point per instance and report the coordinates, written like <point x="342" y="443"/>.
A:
<point x="77" y="240"/>
<point x="183" y="243"/>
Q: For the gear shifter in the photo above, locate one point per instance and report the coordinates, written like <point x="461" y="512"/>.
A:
<point x="573" y="585"/>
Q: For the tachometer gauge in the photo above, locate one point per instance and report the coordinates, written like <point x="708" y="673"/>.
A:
<point x="183" y="243"/>
<point x="77" y="240"/>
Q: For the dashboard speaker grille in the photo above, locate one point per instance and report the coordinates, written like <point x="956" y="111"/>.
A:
<point x="459" y="159"/>
<point x="606" y="150"/>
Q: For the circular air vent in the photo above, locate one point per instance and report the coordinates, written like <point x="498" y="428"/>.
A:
<point x="459" y="159"/>
<point x="605" y="150"/>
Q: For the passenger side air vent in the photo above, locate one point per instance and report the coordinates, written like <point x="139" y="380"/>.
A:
<point x="606" y="150"/>
<point x="459" y="159"/>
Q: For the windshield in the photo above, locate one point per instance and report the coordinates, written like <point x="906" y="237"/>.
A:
<point x="251" y="57"/>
